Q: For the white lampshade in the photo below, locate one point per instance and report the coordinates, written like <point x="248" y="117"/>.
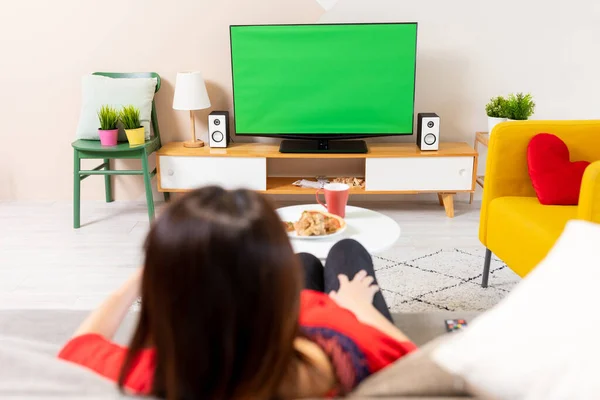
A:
<point x="190" y="92"/>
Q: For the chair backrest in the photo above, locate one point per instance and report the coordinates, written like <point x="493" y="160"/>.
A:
<point x="117" y="75"/>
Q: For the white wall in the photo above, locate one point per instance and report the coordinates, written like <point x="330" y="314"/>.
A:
<point x="471" y="50"/>
<point x="47" y="46"/>
<point x="468" y="52"/>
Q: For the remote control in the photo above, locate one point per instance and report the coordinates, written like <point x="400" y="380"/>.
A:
<point x="453" y="325"/>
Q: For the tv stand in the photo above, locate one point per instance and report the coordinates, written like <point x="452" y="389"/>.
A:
<point x="389" y="168"/>
<point x="323" y="146"/>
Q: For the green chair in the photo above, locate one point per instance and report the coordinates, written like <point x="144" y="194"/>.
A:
<point x="92" y="149"/>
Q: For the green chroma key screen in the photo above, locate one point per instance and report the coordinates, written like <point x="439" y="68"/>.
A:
<point x="324" y="79"/>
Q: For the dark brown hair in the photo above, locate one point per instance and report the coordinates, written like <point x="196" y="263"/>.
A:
<point x="220" y="298"/>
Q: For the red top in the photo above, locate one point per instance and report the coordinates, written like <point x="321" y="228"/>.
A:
<point x="355" y="349"/>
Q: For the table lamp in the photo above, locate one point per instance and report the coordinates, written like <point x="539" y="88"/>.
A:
<point x="191" y="95"/>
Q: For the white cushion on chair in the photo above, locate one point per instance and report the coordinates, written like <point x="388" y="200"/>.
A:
<point x="117" y="92"/>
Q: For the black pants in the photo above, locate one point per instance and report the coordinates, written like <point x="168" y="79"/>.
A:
<point x="347" y="257"/>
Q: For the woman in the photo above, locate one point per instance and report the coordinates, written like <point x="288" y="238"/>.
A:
<point x="224" y="316"/>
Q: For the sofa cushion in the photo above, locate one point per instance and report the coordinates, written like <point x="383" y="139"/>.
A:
<point x="541" y="341"/>
<point x="116" y="92"/>
<point x="521" y="230"/>
<point x="36" y="373"/>
<point x="417" y="376"/>
<point x="556" y="180"/>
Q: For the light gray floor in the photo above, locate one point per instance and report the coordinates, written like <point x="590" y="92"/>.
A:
<point x="45" y="264"/>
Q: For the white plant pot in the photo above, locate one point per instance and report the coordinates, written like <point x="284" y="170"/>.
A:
<point x="492" y="122"/>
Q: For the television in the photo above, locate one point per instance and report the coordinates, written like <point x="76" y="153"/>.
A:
<point x="321" y="82"/>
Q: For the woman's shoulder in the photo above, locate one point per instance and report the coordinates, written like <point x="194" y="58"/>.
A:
<point x="106" y="358"/>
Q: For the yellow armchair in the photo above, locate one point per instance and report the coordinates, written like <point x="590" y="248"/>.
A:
<point x="513" y="224"/>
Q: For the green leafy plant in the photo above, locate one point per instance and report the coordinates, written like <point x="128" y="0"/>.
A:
<point x="130" y="117"/>
<point x="520" y="106"/>
<point x="496" y="108"/>
<point x="108" y="117"/>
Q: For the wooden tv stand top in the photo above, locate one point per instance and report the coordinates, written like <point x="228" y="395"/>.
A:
<point x="376" y="150"/>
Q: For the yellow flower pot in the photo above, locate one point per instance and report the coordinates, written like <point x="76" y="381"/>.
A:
<point x="136" y="136"/>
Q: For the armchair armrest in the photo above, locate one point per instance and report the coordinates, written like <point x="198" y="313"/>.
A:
<point x="506" y="169"/>
<point x="589" y="197"/>
<point x="506" y="172"/>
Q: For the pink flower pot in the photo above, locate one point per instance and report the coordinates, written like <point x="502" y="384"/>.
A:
<point x="109" y="137"/>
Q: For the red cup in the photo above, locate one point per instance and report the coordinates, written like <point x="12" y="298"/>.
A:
<point x="336" y="198"/>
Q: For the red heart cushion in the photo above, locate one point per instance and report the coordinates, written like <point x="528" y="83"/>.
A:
<point x="555" y="178"/>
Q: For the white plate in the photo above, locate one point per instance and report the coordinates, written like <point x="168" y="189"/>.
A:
<point x="375" y="231"/>
<point x="294" y="235"/>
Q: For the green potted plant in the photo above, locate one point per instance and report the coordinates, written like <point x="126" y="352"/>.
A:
<point x="519" y="107"/>
<point x="108" y="131"/>
<point x="130" y="118"/>
<point x="496" y="112"/>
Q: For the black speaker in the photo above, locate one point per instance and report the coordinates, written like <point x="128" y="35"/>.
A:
<point x="428" y="131"/>
<point x="218" y="129"/>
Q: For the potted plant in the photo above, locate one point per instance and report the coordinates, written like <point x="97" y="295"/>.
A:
<point x="519" y="107"/>
<point x="108" y="132"/>
<point x="496" y="112"/>
<point x="130" y="118"/>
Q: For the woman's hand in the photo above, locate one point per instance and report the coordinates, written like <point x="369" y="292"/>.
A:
<point x="355" y="295"/>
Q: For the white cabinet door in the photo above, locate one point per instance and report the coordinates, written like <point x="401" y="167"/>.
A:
<point x="184" y="173"/>
<point x="419" y="174"/>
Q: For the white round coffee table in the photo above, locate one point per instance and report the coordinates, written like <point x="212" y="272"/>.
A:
<point x="373" y="230"/>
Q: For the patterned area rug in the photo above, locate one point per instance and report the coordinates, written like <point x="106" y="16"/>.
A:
<point x="442" y="280"/>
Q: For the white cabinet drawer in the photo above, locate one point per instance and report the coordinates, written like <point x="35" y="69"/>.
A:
<point x="419" y="174"/>
<point x="184" y="173"/>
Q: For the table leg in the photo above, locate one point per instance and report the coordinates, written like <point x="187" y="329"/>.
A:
<point x="474" y="167"/>
<point x="448" y="200"/>
<point x="440" y="199"/>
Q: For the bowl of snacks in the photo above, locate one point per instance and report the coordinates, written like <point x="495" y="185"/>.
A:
<point x="314" y="224"/>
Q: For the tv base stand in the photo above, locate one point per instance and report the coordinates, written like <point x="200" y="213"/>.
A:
<point x="324" y="146"/>
<point x="389" y="168"/>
